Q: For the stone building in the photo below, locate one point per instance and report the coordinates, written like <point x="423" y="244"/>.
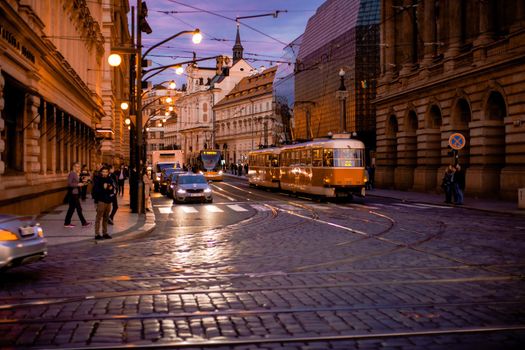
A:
<point x="342" y="34"/>
<point x="57" y="95"/>
<point x="160" y="104"/>
<point x="447" y="67"/>
<point x="205" y="86"/>
<point x="245" y="117"/>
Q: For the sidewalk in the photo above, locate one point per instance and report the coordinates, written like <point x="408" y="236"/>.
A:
<point x="126" y="222"/>
<point x="483" y="204"/>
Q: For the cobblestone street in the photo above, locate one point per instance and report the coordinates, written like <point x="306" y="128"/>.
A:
<point x="265" y="270"/>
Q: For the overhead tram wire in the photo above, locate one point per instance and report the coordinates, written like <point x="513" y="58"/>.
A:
<point x="231" y="19"/>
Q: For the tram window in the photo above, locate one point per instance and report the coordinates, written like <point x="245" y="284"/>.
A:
<point x="275" y="161"/>
<point x="267" y="160"/>
<point x="328" y="157"/>
<point x="348" y="157"/>
<point x="317" y="157"/>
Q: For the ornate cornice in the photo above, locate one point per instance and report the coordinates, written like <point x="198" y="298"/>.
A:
<point x="88" y="27"/>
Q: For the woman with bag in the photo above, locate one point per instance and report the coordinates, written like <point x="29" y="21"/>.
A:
<point x="447" y="183"/>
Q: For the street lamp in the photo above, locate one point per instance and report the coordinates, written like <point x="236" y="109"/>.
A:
<point x="342" y="94"/>
<point x="114" y="60"/>
<point x="124" y="106"/>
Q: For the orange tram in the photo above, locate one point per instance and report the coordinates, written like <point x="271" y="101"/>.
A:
<point x="327" y="168"/>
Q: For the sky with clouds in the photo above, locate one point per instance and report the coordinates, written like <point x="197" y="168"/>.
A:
<point x="216" y="20"/>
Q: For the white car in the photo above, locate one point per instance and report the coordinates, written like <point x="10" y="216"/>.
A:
<point x="21" y="241"/>
<point x="191" y="187"/>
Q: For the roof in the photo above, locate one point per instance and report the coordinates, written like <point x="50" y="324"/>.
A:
<point x="250" y="86"/>
<point x="334" y="18"/>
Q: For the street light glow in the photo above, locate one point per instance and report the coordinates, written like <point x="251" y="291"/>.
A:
<point x="197" y="36"/>
<point x="172" y="85"/>
<point x="166" y="114"/>
<point x="170" y="108"/>
<point x="124" y="106"/>
<point x="114" y="60"/>
<point x="127" y="121"/>
<point x="169" y="100"/>
<point x="179" y="70"/>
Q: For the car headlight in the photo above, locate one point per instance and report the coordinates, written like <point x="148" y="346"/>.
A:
<point x="7" y="236"/>
<point x="172" y="186"/>
<point x="39" y="231"/>
<point x="180" y="190"/>
<point x="207" y="190"/>
<point x="200" y="172"/>
<point x="220" y="172"/>
<point x="158" y="178"/>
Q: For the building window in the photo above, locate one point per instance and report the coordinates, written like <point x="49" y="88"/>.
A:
<point x="13" y="114"/>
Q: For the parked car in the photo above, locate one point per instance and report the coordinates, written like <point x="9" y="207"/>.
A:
<point x="164" y="178"/>
<point x="171" y="182"/>
<point x="21" y="241"/>
<point x="190" y="187"/>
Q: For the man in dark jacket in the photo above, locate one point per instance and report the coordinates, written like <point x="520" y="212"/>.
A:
<point x="459" y="185"/>
<point x="114" y="203"/>
<point x="103" y="193"/>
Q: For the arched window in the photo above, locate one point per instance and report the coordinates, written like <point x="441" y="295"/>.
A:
<point x="434" y="120"/>
<point x="411" y="123"/>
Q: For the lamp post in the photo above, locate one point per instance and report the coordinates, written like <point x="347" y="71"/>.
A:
<point x="114" y="60"/>
<point x="342" y="94"/>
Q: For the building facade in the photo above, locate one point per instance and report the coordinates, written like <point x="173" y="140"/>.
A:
<point x="452" y="67"/>
<point x="160" y="104"/>
<point x="53" y="100"/>
<point x="246" y="119"/>
<point x="341" y="35"/>
<point x="205" y="86"/>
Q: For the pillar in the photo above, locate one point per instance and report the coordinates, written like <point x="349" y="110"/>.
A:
<point x="2" y="125"/>
<point x="429" y="32"/>
<point x="485" y="30"/>
<point x="406" y="160"/>
<point x="43" y="138"/>
<point x="390" y="37"/>
<point x="428" y="159"/>
<point x="454" y="28"/>
<point x="406" y="41"/>
<point x="32" y="135"/>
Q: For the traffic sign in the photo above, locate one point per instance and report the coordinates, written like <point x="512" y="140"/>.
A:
<point x="457" y="141"/>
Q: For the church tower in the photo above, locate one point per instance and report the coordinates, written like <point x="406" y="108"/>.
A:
<point x="237" y="48"/>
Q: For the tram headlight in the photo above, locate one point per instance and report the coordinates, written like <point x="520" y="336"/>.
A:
<point x="220" y="172"/>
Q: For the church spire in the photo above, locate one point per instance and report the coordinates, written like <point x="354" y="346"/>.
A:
<point x="237" y="48"/>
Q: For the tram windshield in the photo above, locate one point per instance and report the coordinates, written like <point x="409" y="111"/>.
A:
<point x="343" y="157"/>
<point x="211" y="160"/>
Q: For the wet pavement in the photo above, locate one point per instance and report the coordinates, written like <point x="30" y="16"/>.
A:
<point x="264" y="270"/>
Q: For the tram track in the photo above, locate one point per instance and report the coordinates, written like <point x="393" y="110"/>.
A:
<point x="380" y="236"/>
<point x="325" y="340"/>
<point x="404" y="308"/>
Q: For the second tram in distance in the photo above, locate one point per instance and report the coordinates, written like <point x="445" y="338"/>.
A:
<point x="327" y="167"/>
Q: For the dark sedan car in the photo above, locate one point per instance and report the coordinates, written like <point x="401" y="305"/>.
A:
<point x="172" y="181"/>
<point x="21" y="241"/>
<point x="164" y="176"/>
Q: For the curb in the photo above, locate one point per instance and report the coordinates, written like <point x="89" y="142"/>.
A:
<point x="515" y="213"/>
<point x="508" y="213"/>
<point x="148" y="225"/>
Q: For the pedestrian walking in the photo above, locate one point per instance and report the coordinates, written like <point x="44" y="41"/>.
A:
<point x="122" y="175"/>
<point x="368" y="186"/>
<point x="103" y="193"/>
<point x="114" y="202"/>
<point x="459" y="185"/>
<point x="85" y="178"/>
<point x="148" y="186"/>
<point x="73" y="197"/>
<point x="447" y="183"/>
<point x="245" y="168"/>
